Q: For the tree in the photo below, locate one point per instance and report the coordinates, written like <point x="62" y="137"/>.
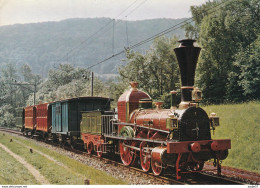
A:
<point x="248" y="65"/>
<point x="156" y="71"/>
<point x="13" y="93"/>
<point x="9" y="74"/>
<point x="7" y="99"/>
<point x="224" y="28"/>
<point x="68" y="82"/>
<point x="7" y="116"/>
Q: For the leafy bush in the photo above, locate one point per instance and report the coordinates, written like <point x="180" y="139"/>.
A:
<point x="7" y="116"/>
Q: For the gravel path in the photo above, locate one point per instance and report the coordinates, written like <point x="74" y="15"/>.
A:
<point x="40" y="178"/>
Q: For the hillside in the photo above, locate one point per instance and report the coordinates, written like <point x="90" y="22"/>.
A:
<point x="42" y="45"/>
<point x="241" y="124"/>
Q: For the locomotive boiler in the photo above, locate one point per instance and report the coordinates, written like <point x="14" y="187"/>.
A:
<point x="176" y="137"/>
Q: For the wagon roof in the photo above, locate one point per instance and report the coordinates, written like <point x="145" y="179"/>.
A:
<point x="82" y="98"/>
<point x="29" y="107"/>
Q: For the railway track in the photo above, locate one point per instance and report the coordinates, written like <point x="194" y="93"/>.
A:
<point x="168" y="178"/>
<point x="11" y="131"/>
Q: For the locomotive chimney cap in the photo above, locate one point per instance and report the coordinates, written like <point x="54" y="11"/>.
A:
<point x="187" y="43"/>
<point x="173" y="92"/>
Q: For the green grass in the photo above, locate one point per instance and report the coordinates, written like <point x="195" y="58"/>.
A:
<point x="13" y="172"/>
<point x="240" y="123"/>
<point x="73" y="175"/>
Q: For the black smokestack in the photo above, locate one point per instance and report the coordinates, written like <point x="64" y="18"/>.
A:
<point x="187" y="56"/>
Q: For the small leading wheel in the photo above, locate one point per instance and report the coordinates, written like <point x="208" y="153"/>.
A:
<point x="90" y="148"/>
<point x="99" y="150"/>
<point x="145" y="157"/>
<point x="126" y="153"/>
<point x="198" y="166"/>
<point x="157" y="167"/>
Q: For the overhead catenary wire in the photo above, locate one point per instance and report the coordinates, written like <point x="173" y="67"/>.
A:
<point x="94" y="34"/>
<point x="166" y="31"/>
<point x="116" y="23"/>
<point x="137" y="7"/>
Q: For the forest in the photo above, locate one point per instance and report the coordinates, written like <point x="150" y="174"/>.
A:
<point x="228" y="71"/>
<point x="77" y="41"/>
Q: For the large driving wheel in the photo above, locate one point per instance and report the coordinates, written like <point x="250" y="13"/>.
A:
<point x="145" y="157"/>
<point x="127" y="154"/>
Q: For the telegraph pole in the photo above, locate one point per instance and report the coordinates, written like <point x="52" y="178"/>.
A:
<point x="92" y="82"/>
<point x="34" y="91"/>
<point x="34" y="94"/>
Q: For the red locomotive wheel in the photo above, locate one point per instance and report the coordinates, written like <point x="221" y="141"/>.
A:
<point x="157" y="167"/>
<point x="145" y="157"/>
<point x="134" y="152"/>
<point x="99" y="150"/>
<point x="90" y="148"/>
<point x="126" y="154"/>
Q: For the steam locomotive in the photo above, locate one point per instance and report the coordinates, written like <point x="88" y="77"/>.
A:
<point x="157" y="138"/>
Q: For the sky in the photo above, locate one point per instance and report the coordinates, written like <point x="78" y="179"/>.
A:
<point x="32" y="11"/>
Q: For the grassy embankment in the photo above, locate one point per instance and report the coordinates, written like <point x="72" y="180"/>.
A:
<point x="12" y="172"/>
<point x="72" y="173"/>
<point x="240" y="123"/>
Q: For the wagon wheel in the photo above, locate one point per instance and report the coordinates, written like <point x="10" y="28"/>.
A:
<point x="90" y="148"/>
<point x="127" y="154"/>
<point x="157" y="167"/>
<point x="99" y="150"/>
<point x="145" y="157"/>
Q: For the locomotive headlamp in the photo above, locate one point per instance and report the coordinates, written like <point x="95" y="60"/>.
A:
<point x="214" y="120"/>
<point x="196" y="95"/>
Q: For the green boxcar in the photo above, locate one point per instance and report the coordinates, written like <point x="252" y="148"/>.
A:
<point x="19" y="116"/>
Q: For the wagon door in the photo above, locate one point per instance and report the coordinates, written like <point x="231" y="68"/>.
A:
<point x="58" y="117"/>
<point x="65" y="117"/>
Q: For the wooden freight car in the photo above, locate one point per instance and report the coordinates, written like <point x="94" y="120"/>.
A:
<point x="43" y="119"/>
<point x="19" y="117"/>
<point x="30" y="117"/>
<point x="66" y="116"/>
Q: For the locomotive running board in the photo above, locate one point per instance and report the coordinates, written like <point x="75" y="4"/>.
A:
<point x="133" y="139"/>
<point x="140" y="126"/>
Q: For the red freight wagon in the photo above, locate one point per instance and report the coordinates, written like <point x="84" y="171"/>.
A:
<point x="43" y="117"/>
<point x="30" y="117"/>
